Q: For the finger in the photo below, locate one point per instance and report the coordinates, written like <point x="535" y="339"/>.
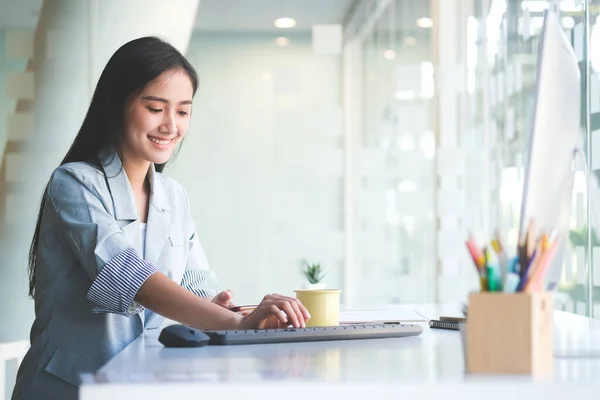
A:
<point x="303" y="309"/>
<point x="275" y="311"/>
<point x="225" y="295"/>
<point x="222" y="298"/>
<point x="299" y="315"/>
<point x="286" y="306"/>
<point x="303" y="314"/>
<point x="295" y="309"/>
<point x="272" y="322"/>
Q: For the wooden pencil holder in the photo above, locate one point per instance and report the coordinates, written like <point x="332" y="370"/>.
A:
<point x="510" y="333"/>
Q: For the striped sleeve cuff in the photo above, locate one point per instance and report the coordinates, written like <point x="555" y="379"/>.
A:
<point x="118" y="282"/>
<point x="202" y="282"/>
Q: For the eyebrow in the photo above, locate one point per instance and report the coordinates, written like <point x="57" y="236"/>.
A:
<point x="154" y="98"/>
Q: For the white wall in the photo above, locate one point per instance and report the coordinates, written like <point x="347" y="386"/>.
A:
<point x="262" y="163"/>
<point x="13" y="272"/>
<point x="7" y="105"/>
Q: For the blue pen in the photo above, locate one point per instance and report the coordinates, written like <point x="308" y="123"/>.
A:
<point x="512" y="279"/>
<point x="512" y="282"/>
<point x="513" y="265"/>
<point x="523" y="280"/>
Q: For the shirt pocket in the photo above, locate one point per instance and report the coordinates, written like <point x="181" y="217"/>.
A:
<point x="174" y="258"/>
<point x="177" y="240"/>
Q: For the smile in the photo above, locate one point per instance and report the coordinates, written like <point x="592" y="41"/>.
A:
<point x="160" y="142"/>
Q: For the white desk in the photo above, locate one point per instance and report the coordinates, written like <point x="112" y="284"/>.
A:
<point x="429" y="366"/>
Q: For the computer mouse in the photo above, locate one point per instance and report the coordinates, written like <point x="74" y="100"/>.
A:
<point x="182" y="336"/>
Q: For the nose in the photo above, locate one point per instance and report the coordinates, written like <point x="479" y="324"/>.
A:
<point x="169" y="124"/>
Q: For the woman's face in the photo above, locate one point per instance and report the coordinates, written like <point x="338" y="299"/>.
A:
<point x="158" y="118"/>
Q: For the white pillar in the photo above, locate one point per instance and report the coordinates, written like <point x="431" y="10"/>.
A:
<point x="73" y="42"/>
<point x="125" y="20"/>
<point x="450" y="125"/>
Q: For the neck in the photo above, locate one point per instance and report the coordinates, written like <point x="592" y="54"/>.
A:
<point x="136" y="173"/>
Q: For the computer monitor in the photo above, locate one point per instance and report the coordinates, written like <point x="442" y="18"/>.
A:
<point x="554" y="138"/>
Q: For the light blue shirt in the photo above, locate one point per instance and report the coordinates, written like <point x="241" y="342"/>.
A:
<point x="90" y="265"/>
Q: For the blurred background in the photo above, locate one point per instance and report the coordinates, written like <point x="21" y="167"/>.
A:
<point x="368" y="136"/>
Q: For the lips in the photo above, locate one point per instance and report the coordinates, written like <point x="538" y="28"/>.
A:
<point x="160" y="142"/>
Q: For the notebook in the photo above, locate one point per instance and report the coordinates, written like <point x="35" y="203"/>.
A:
<point x="449" y="323"/>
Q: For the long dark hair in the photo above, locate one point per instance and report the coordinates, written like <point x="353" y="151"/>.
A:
<point x="131" y="68"/>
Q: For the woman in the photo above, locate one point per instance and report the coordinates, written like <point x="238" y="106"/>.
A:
<point x="115" y="238"/>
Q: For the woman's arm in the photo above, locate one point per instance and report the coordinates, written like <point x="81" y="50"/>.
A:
<point x="167" y="298"/>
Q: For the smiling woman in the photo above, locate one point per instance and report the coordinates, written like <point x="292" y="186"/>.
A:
<point x="115" y="248"/>
<point x="161" y="116"/>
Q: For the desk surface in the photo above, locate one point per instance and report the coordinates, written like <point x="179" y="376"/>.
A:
<point x="428" y="363"/>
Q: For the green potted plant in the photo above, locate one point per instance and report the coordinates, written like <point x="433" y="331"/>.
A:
<point x="314" y="274"/>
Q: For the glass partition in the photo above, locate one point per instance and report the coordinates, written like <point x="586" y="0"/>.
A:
<point x="402" y="231"/>
<point x="395" y="161"/>
<point x="508" y="34"/>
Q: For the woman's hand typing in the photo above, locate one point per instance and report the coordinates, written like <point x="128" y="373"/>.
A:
<point x="276" y="311"/>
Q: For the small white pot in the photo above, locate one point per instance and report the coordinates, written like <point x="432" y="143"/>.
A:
<point x="315" y="286"/>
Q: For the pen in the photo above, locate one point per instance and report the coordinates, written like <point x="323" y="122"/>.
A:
<point x="524" y="273"/>
<point x="544" y="242"/>
<point x="476" y="254"/>
<point x="502" y="258"/>
<point x="242" y="308"/>
<point x="512" y="279"/>
<point x="491" y="266"/>
<point x="526" y="248"/>
<point x="479" y="261"/>
<point x="511" y="283"/>
<point x="537" y="274"/>
<point x="522" y="257"/>
<point x="535" y="257"/>
<point x="530" y="244"/>
<point x="485" y="273"/>
<point x="513" y="265"/>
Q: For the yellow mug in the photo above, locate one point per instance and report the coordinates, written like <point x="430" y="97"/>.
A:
<point x="323" y="306"/>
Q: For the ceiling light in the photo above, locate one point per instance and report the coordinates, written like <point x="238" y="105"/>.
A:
<point x="285" y="22"/>
<point x="410" y="40"/>
<point x="389" y="54"/>
<point x="425" y="22"/>
<point x="282" y="41"/>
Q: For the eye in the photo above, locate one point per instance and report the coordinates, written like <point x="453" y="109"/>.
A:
<point x="154" y="110"/>
<point x="183" y="113"/>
